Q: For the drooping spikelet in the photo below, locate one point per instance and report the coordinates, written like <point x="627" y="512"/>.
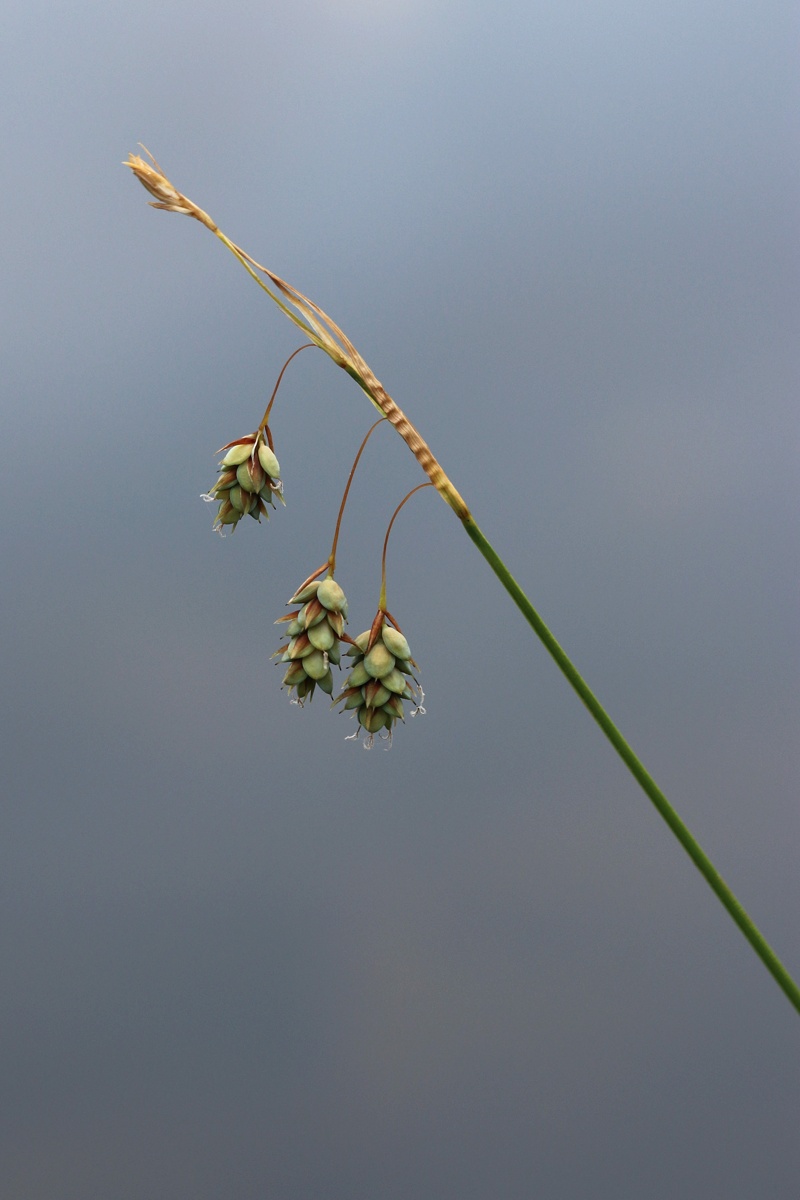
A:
<point x="381" y="678"/>
<point x="249" y="480"/>
<point x="166" y="194"/>
<point x="314" y="632"/>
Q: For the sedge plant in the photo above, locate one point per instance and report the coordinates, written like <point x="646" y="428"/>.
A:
<point x="250" y="480"/>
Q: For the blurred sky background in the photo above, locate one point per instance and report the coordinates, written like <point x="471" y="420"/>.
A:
<point x="241" y="957"/>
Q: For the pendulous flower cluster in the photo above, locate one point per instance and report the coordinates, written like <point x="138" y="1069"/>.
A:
<point x="314" y="633"/>
<point x="249" y="480"/>
<point x="381" y="678"/>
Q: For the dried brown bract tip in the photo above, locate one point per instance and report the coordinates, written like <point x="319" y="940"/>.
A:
<point x="167" y="197"/>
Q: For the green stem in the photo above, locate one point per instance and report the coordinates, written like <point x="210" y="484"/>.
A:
<point x="637" y="769"/>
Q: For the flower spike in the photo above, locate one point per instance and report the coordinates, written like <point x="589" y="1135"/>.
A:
<point x="249" y="480"/>
<point x="382" y="677"/>
<point x="314" y="631"/>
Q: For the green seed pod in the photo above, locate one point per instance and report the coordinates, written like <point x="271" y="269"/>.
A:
<point x="294" y="675"/>
<point x="237" y="454"/>
<point x="395" y="682"/>
<point x="236" y="499"/>
<point x="376" y="720"/>
<point x="315" y="665"/>
<point x="331" y="595"/>
<point x="395" y="642"/>
<point x="321" y="636"/>
<point x="268" y="461"/>
<point x="250" y="476"/>
<point x="352" y="699"/>
<point x="379" y="661"/>
<point x="326" y="682"/>
<point x="335" y="654"/>
<point x="375" y="694"/>
<point x="358" y="676"/>
<point x="393" y="707"/>
<point x="305" y="593"/>
<point x="366" y="716"/>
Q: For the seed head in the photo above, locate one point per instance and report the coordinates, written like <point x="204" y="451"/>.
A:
<point x="249" y="480"/>
<point x="167" y="197"/>
<point x="314" y="632"/>
<point x="381" y="679"/>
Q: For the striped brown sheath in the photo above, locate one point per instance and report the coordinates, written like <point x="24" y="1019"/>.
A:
<point x="418" y="447"/>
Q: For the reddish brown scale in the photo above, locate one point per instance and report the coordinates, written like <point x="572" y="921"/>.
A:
<point x="375" y="631"/>
<point x="313" y="610"/>
<point x="314" y="575"/>
<point x="336" y="622"/>
<point x="301" y="643"/>
<point x="257" y="474"/>
<point x="250" y="437"/>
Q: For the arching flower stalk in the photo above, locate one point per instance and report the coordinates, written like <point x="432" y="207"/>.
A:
<point x="316" y="630"/>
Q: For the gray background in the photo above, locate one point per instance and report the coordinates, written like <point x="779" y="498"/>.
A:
<point x="242" y="958"/>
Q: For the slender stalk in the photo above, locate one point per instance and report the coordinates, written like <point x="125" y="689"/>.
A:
<point x="323" y="332"/>
<point x="405" y="500"/>
<point x="265" y="419"/>
<point x="332" y="558"/>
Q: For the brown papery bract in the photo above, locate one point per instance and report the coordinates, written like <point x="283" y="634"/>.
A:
<point x="167" y="197"/>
